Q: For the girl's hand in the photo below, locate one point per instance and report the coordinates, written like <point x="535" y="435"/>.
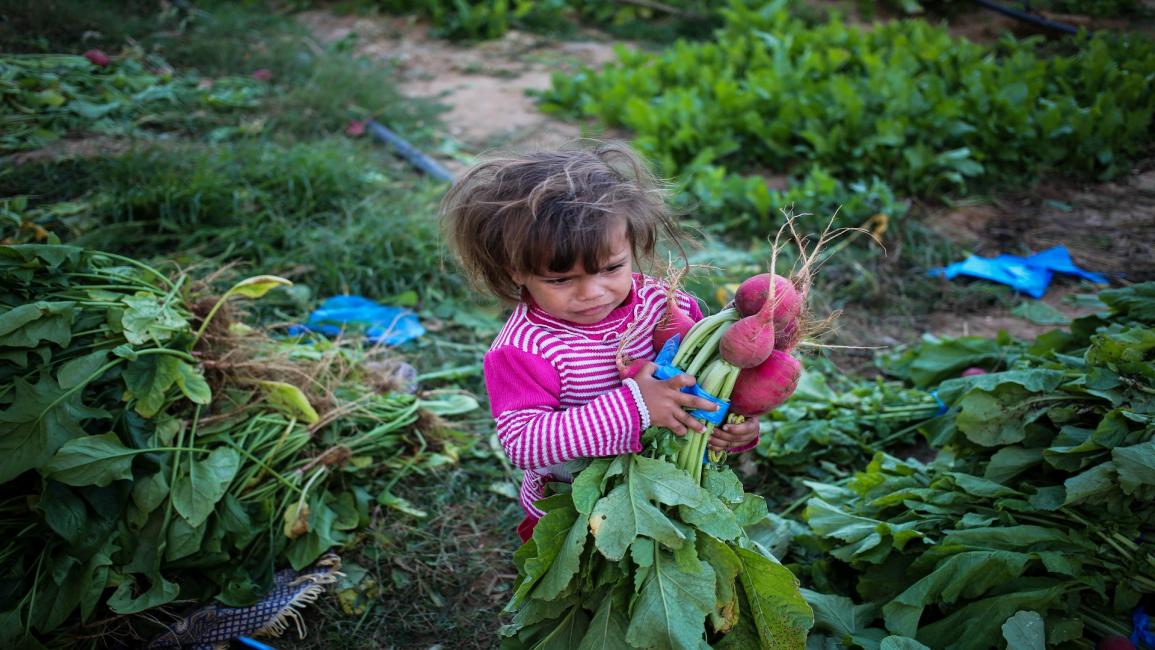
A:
<point x="667" y="403"/>
<point x="734" y="436"/>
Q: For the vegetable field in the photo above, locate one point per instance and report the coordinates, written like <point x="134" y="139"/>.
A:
<point x="199" y="446"/>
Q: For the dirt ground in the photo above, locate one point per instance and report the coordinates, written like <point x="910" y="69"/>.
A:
<point x="483" y="86"/>
<point x="1109" y="228"/>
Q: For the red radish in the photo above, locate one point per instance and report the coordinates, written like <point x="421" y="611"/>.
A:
<point x="786" y="337"/>
<point x="749" y="341"/>
<point x="631" y="369"/>
<point x="971" y="372"/>
<point x="765" y="387"/>
<point x="676" y="320"/>
<point x="1116" y="642"/>
<point x="751" y="295"/>
<point x="97" y="57"/>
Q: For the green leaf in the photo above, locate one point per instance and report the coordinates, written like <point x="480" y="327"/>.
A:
<point x="1009" y="462"/>
<point x="555" y="542"/>
<point x="587" y="485"/>
<point x="726" y="567"/>
<point x="935" y="362"/>
<point x="451" y="404"/>
<point x="777" y="607"/>
<point x="149" y="491"/>
<point x="192" y="383"/>
<point x="868" y="540"/>
<point x="1091" y="484"/>
<point x="41" y="418"/>
<point x="64" y="512"/>
<point x="630" y="509"/>
<point x="148" y="379"/>
<point x="27" y="325"/>
<point x="567" y="562"/>
<point x="95" y="579"/>
<point x="1040" y="312"/>
<point x="401" y="504"/>
<point x="900" y="643"/>
<point x="1135" y="465"/>
<point x="672" y="605"/>
<point x="967" y="575"/>
<point x="160" y="592"/>
<point x="81" y="369"/>
<point x="977" y="625"/>
<point x="838" y="615"/>
<point x="256" y="286"/>
<point x="91" y="460"/>
<point x="321" y="536"/>
<point x="289" y="400"/>
<point x="568" y="633"/>
<point x="608" y="628"/>
<point x="999" y="418"/>
<point x="195" y="494"/>
<point x="1136" y="301"/>
<point x="1025" y="631"/>
<point x="148" y="319"/>
<point x="182" y="540"/>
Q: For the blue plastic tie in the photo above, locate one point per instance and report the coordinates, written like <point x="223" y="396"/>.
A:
<point x="1141" y="634"/>
<point x="666" y="370"/>
<point x="253" y="643"/>
<point x="942" y="407"/>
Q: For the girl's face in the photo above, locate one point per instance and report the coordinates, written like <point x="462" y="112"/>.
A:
<point x="581" y="295"/>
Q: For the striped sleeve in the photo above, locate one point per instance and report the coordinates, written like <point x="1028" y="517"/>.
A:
<point x="536" y="432"/>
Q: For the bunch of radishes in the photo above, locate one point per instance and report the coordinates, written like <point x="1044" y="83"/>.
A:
<point x="757" y="345"/>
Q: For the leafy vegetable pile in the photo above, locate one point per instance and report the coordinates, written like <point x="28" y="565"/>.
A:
<point x="1034" y="524"/>
<point x="823" y="434"/>
<point x="46" y="96"/>
<point x="129" y="482"/>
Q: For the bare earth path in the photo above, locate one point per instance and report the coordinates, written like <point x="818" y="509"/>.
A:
<point x="483" y="85"/>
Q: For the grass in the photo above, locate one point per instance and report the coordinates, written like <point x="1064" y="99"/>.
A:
<point x="440" y="581"/>
<point x="339" y="216"/>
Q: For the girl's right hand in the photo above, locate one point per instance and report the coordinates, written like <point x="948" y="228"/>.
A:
<point x="667" y="403"/>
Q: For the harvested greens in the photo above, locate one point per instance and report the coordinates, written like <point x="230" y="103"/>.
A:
<point x="1034" y="524"/>
<point x="145" y="460"/>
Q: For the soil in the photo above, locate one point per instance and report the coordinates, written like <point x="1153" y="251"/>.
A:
<point x="484" y="86"/>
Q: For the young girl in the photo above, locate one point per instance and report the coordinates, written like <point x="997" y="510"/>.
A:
<point x="556" y="234"/>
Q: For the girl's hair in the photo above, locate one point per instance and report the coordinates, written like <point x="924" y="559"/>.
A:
<point x="543" y="211"/>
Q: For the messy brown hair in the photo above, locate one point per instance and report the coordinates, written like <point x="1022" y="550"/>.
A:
<point x="545" y="211"/>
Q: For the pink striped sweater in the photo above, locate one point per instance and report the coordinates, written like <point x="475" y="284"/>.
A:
<point x="554" y="388"/>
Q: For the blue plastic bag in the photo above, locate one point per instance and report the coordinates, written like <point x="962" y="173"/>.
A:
<point x="1030" y="275"/>
<point x="381" y="324"/>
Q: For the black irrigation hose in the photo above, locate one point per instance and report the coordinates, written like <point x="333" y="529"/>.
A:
<point x="409" y="152"/>
<point x="1028" y="17"/>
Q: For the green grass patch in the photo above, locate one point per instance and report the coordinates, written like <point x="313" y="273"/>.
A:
<point x="331" y="213"/>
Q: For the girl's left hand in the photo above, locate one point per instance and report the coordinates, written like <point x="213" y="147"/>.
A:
<point x="735" y="436"/>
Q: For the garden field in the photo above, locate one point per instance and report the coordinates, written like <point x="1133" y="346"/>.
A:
<point x="241" y="392"/>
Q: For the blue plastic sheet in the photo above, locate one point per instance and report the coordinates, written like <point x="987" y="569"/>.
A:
<point x="1030" y="275"/>
<point x="1142" y="635"/>
<point x="381" y="324"/>
<point x="666" y="370"/>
